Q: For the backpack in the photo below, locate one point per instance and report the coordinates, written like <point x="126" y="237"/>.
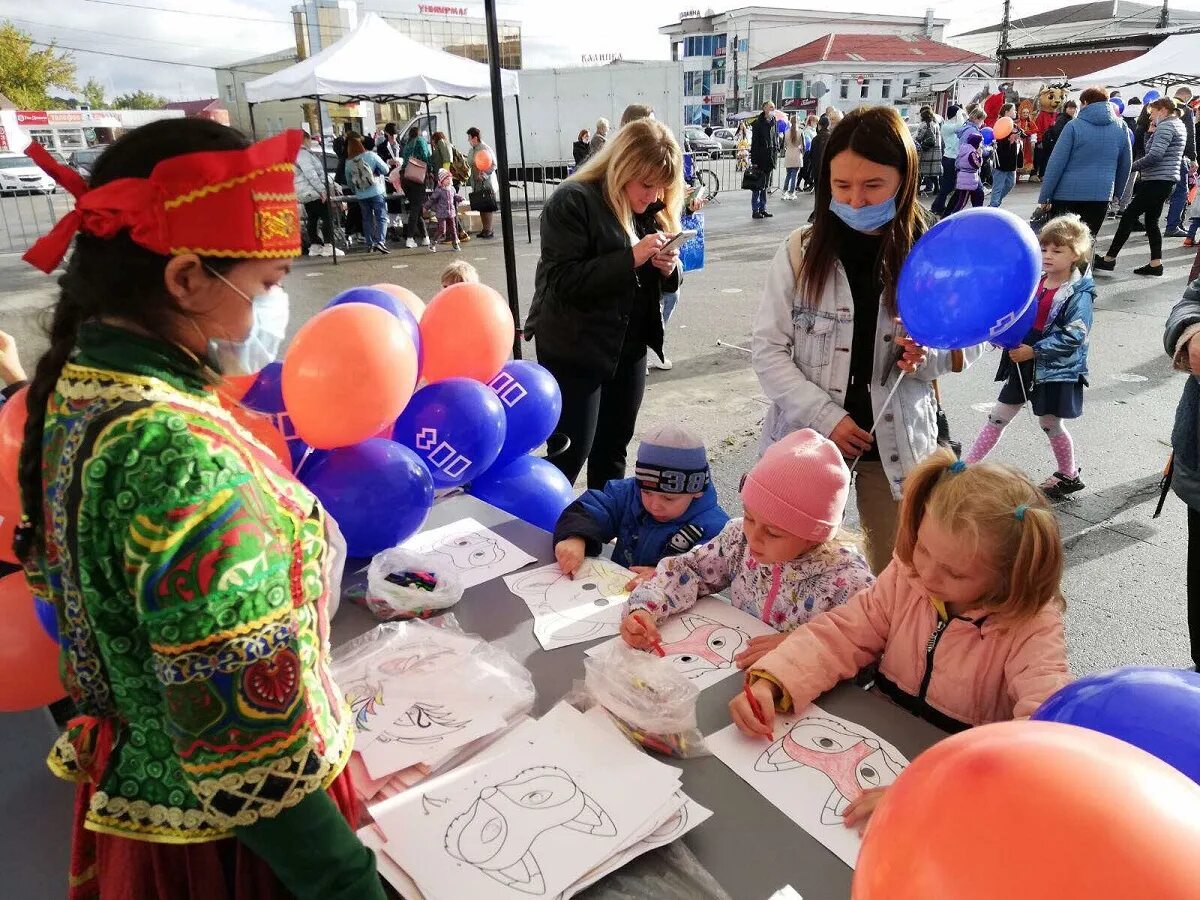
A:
<point x="459" y="170"/>
<point x="362" y="176"/>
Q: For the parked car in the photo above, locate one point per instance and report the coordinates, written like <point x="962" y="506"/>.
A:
<point x="82" y="161"/>
<point x="697" y="142"/>
<point x="21" y="175"/>
<point x="727" y="138"/>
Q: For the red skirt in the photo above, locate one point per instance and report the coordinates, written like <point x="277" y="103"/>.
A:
<point x="108" y="867"/>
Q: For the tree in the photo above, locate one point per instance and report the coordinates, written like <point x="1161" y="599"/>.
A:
<point x="27" y="73"/>
<point x="139" y="100"/>
<point x="93" y="94"/>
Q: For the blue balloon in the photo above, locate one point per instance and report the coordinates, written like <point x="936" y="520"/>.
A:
<point x="989" y="136"/>
<point x="378" y="492"/>
<point x="45" y="614"/>
<point x="969" y="278"/>
<point x="1150" y="97"/>
<point x="781" y="125"/>
<point x="266" y="394"/>
<point x="1014" y="335"/>
<point x="1157" y="710"/>
<point x="532" y="405"/>
<point x="457" y="428"/>
<point x="528" y="488"/>
<point x="384" y="300"/>
<point x="1118" y="105"/>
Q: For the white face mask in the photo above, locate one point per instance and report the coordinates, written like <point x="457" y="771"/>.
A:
<point x="261" y="346"/>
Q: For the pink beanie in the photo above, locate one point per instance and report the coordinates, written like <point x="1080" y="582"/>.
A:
<point x="800" y="486"/>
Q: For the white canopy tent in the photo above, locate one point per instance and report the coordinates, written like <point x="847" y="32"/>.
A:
<point x="1175" y="61"/>
<point x="376" y="62"/>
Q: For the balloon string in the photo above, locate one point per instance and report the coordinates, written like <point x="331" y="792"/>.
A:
<point x="1024" y="394"/>
<point x="875" y="424"/>
<point x="303" y="459"/>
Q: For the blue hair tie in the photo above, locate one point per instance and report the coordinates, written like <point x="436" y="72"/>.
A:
<point x="958" y="466"/>
<point x="1019" y="512"/>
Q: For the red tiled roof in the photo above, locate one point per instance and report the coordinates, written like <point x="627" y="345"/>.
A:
<point x="852" y="48"/>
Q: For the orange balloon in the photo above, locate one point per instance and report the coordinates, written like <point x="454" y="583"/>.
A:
<point x="28" y="658"/>
<point x="349" y="372"/>
<point x="467" y="332"/>
<point x="1053" y="811"/>
<point x="13" y="416"/>
<point x="483" y="161"/>
<point x="415" y="304"/>
<point x="1003" y="127"/>
<point x="263" y="427"/>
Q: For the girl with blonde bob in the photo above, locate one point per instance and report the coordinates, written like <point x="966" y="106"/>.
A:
<point x="597" y="303"/>
<point x="966" y="624"/>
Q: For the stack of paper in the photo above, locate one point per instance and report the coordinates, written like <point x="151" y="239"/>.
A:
<point x="423" y="698"/>
<point x="571" y="609"/>
<point x="552" y="807"/>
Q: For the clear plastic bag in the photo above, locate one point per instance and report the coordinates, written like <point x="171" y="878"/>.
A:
<point x="401" y="584"/>
<point x="646" y="698"/>
<point x="671" y="872"/>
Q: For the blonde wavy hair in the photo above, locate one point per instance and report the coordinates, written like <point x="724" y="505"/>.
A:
<point x="995" y="507"/>
<point x="643" y="151"/>
<point x="1068" y="230"/>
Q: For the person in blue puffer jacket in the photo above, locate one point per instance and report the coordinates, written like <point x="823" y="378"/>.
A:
<point x="1090" y="163"/>
<point x="668" y="507"/>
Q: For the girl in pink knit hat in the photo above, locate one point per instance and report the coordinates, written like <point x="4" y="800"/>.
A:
<point x="786" y="561"/>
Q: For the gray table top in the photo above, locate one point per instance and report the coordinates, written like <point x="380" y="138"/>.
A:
<point x="748" y="845"/>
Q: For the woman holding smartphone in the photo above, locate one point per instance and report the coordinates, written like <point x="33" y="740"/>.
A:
<point x="597" y="302"/>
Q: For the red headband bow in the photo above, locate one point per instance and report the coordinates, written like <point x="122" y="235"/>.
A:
<point x="228" y="203"/>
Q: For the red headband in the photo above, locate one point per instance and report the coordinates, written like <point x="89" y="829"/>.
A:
<point x="228" y="203"/>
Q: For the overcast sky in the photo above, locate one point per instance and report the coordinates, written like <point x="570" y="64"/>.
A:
<point x="218" y="32"/>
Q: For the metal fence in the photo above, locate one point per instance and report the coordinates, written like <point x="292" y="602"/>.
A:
<point x="27" y="216"/>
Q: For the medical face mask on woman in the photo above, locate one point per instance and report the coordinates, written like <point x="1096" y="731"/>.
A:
<point x="865" y="218"/>
<point x="261" y="346"/>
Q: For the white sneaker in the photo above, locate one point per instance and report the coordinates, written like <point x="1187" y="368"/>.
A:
<point x="663" y="365"/>
<point x="330" y="250"/>
<point x="410" y="244"/>
<point x="425" y="241"/>
<point x="432" y="248"/>
<point x="315" y="250"/>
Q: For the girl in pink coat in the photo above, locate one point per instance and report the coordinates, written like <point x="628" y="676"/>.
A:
<point x="785" y="562"/>
<point x="966" y="623"/>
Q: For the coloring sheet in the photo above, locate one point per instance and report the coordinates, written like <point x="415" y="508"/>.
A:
<point x="702" y="642"/>
<point x="818" y="763"/>
<point x="572" y="610"/>
<point x="472" y="552"/>
<point x="551" y="807"/>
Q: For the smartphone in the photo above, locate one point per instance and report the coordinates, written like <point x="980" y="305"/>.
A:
<point x="677" y="241"/>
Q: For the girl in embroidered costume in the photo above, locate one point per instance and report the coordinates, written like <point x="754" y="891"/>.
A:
<point x="785" y="562"/>
<point x="190" y="573"/>
<point x="966" y="623"/>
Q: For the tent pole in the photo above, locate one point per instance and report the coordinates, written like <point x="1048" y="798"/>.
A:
<point x="525" y="170"/>
<point x="253" y="130"/>
<point x="328" y="191"/>
<point x="428" y="122"/>
<point x="449" y="130"/>
<point x="501" y="161"/>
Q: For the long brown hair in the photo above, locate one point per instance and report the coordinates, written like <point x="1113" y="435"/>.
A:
<point x="354" y="147"/>
<point x="880" y="135"/>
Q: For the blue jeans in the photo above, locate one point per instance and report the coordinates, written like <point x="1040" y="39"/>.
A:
<point x="1002" y="183"/>
<point x="374" y="219"/>
<point x="789" y="181"/>
<point x="758" y="201"/>
<point x="668" y="306"/>
<point x="1193" y="227"/>
<point x="1178" y="198"/>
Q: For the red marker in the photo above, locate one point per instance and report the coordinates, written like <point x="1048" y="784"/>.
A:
<point x="754" y="707"/>
<point x="658" y="648"/>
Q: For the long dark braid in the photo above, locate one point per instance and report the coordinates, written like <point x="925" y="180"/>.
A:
<point x="111" y="277"/>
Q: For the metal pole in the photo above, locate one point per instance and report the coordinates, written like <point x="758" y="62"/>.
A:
<point x="506" y="226"/>
<point x="328" y="190"/>
<point x="525" y="171"/>
<point x="449" y="130"/>
<point x="253" y="130"/>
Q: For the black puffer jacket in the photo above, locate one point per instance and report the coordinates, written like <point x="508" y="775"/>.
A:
<point x="764" y="142"/>
<point x="586" y="285"/>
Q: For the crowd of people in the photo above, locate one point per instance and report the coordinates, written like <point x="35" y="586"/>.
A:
<point x="401" y="187"/>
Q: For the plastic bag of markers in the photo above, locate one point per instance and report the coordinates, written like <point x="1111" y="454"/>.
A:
<point x="404" y="584"/>
<point x="647" y="699"/>
<point x="667" y="873"/>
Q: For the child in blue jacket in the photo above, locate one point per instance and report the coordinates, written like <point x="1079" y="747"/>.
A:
<point x="667" y="508"/>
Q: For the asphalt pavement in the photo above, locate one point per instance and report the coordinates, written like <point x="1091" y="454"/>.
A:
<point x="1125" y="571"/>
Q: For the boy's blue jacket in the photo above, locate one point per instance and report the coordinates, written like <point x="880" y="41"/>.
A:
<point x="617" y="512"/>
